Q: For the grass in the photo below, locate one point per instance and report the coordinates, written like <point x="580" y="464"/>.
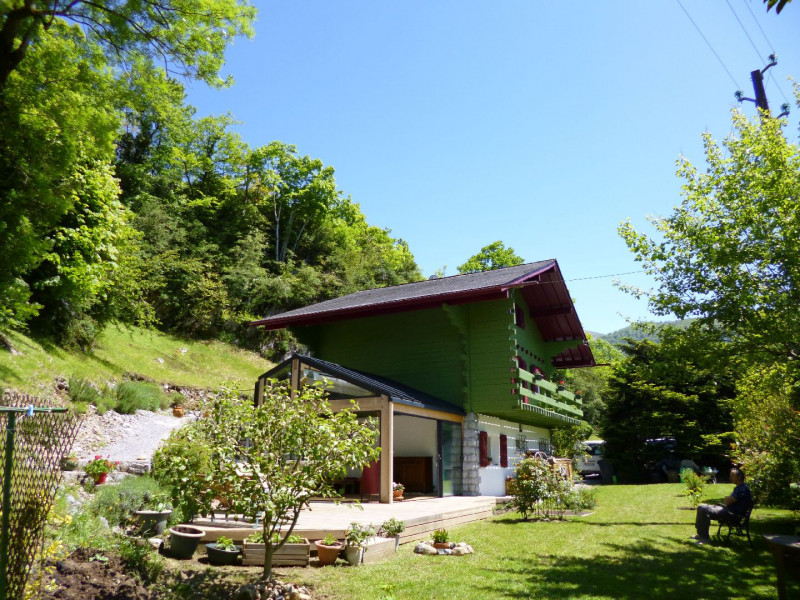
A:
<point x="634" y="545"/>
<point x="128" y="350"/>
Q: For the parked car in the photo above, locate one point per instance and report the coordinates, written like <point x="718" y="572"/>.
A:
<point x="588" y="461"/>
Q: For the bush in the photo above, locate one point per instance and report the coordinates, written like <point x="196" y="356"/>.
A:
<point x="182" y="465"/>
<point x="83" y="391"/>
<point x="695" y="484"/>
<point x="136" y="395"/>
<point x="540" y="490"/>
<point x="116" y="503"/>
<point x="581" y="497"/>
<point x="143" y="559"/>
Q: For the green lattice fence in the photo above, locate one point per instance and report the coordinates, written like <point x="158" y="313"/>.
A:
<point x="35" y="435"/>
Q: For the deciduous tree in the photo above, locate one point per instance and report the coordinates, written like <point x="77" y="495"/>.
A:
<point x="730" y="253"/>
<point x="493" y="256"/>
<point x="271" y="459"/>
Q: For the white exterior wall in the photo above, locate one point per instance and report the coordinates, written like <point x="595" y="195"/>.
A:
<point x="493" y="477"/>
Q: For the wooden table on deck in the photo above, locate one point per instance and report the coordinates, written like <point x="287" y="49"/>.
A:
<point x="786" y="551"/>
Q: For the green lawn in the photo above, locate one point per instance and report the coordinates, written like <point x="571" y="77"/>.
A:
<point x="129" y="350"/>
<point x="634" y="545"/>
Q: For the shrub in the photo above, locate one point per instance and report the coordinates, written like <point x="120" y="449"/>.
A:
<point x="767" y="424"/>
<point x="695" y="484"/>
<point x="540" y="490"/>
<point x="581" y="497"/>
<point x="182" y="465"/>
<point x="143" y="559"/>
<point x="82" y="390"/>
<point x="116" y="503"/>
<point x="136" y="395"/>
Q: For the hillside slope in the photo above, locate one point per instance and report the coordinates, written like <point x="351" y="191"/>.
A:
<point x="122" y="351"/>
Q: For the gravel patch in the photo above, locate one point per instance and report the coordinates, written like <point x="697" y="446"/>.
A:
<point x="125" y="437"/>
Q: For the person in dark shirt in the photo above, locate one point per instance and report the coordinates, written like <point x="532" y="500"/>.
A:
<point x="736" y="505"/>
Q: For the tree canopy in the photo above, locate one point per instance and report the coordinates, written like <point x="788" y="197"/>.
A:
<point x="493" y="256"/>
<point x="186" y="38"/>
<point x="729" y="255"/>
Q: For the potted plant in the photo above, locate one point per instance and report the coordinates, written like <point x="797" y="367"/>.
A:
<point x="537" y="374"/>
<point x="393" y="528"/>
<point x="223" y="552"/>
<point x="99" y="468"/>
<point x="177" y="403"/>
<point x="183" y="540"/>
<point x="440" y="539"/>
<point x="397" y="490"/>
<point x="328" y="550"/>
<point x="578" y="395"/>
<point x="561" y="385"/>
<point x="356" y="537"/>
<point x="153" y="514"/>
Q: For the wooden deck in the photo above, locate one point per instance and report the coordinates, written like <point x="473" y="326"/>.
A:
<point x="421" y="516"/>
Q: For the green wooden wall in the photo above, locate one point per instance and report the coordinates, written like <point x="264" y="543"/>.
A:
<point x="421" y="349"/>
<point x="462" y="354"/>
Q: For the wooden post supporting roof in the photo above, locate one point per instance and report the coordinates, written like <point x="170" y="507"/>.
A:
<point x="387" y="450"/>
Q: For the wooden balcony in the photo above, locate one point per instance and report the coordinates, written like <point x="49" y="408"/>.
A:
<point x="546" y="395"/>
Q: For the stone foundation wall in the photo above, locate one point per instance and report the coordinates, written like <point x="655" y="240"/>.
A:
<point x="471" y="478"/>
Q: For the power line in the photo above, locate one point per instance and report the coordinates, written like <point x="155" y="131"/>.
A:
<point x="605" y="276"/>
<point x="752" y="43"/>
<point x="733" y="79"/>
<point x="758" y="25"/>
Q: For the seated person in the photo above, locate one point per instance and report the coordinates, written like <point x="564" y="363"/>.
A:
<point x="736" y="505"/>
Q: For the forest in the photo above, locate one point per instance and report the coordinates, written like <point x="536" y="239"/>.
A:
<point x="119" y="204"/>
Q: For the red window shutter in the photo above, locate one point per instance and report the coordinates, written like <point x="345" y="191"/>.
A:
<point x="503" y="451"/>
<point x="483" y="448"/>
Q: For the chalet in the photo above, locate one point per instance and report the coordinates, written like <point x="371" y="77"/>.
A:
<point x="458" y="370"/>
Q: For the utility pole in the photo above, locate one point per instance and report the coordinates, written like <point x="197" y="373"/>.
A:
<point x="758" y="87"/>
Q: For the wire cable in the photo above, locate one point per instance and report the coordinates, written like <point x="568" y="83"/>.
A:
<point x="733" y="79"/>
<point x="752" y="43"/>
<point x="758" y="25"/>
<point x="605" y="276"/>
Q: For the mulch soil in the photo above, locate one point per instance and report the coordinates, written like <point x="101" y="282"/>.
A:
<point x="89" y="575"/>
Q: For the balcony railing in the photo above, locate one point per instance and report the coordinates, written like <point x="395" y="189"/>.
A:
<point x="545" y="394"/>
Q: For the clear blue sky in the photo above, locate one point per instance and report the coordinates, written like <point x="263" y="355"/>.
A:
<point x="541" y="124"/>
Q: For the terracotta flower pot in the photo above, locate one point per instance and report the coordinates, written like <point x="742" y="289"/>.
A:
<point x="327" y="554"/>
<point x="441" y="545"/>
<point x="177" y="411"/>
<point x="398" y="494"/>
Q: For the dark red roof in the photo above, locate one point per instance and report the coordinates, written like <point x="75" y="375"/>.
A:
<point x="542" y="287"/>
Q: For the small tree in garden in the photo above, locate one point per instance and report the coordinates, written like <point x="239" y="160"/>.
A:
<point x="567" y="440"/>
<point x="182" y="463"/>
<point x="272" y="458"/>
